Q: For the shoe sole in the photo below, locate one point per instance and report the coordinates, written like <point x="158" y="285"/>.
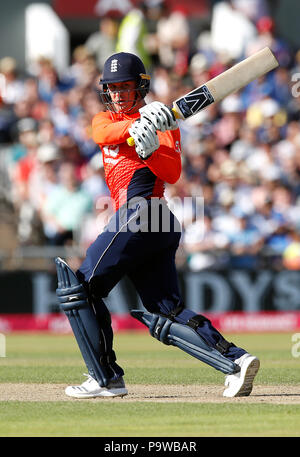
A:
<point x="113" y="393"/>
<point x="250" y="374"/>
<point x="247" y="386"/>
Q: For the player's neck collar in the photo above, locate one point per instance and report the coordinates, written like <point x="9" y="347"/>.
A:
<point x="123" y="116"/>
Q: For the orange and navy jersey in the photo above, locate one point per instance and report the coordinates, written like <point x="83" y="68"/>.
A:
<point x="126" y="174"/>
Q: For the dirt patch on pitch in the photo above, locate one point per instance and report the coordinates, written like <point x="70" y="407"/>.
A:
<point x="283" y="394"/>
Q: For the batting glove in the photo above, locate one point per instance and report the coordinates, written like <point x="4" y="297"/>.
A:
<point x="160" y="115"/>
<point x="145" y="138"/>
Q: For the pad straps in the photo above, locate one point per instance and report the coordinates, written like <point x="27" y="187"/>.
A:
<point x="175" y="312"/>
<point x="198" y="321"/>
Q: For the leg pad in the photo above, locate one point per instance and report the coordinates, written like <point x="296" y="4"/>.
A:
<point x="185" y="338"/>
<point x="74" y="302"/>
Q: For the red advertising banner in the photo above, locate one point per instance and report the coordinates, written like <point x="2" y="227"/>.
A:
<point x="234" y="322"/>
<point x="98" y="8"/>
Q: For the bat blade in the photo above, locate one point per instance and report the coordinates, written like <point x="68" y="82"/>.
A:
<point x="226" y="83"/>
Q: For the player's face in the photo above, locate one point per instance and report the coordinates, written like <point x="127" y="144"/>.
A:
<point x="123" y="95"/>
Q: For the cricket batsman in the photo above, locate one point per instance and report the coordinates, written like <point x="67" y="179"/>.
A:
<point x="140" y="241"/>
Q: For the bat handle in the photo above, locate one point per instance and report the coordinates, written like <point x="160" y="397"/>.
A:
<point x="130" y="140"/>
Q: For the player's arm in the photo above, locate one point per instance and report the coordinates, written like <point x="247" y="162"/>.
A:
<point x="105" y="131"/>
<point x="165" y="162"/>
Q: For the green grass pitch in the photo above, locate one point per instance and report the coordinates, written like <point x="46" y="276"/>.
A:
<point x="42" y="361"/>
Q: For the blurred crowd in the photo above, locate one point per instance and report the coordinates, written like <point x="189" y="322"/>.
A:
<point x="241" y="156"/>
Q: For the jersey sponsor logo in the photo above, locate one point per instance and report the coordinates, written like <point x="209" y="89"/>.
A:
<point x="111" y="154"/>
<point x="114" y="65"/>
<point x="111" y="150"/>
<point x="110" y="160"/>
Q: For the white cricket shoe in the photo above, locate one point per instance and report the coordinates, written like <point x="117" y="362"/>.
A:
<point x="240" y="384"/>
<point x="90" y="388"/>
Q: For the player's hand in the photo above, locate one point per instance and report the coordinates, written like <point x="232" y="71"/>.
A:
<point x="160" y="115"/>
<point x="145" y="138"/>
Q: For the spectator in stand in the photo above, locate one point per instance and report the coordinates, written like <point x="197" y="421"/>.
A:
<point x="161" y="84"/>
<point x="245" y="244"/>
<point x="70" y="151"/>
<point x="95" y="222"/>
<point x="267" y="36"/>
<point x="102" y="43"/>
<point x="231" y="30"/>
<point x="90" y="75"/>
<point x="23" y="162"/>
<point x="245" y="145"/>
<point x="39" y="109"/>
<point x="93" y="178"/>
<point x="11" y="83"/>
<point x="75" y="74"/>
<point x="48" y="82"/>
<point x="59" y="114"/>
<point x="46" y="131"/>
<point x="227" y="128"/>
<point x="65" y="208"/>
<point x="7" y="122"/>
<point x="277" y="242"/>
<point x="204" y="246"/>
<point x="74" y="99"/>
<point x="254" y="10"/>
<point x="133" y="31"/>
<point x="262" y="216"/>
<point x="81" y="133"/>
<point x="174" y="48"/>
<point x="283" y="202"/>
<point x="291" y="254"/>
<point x="44" y="178"/>
<point x="281" y="86"/>
<point x="199" y="69"/>
<point x="22" y="159"/>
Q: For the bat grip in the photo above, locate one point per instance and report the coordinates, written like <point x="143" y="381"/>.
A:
<point x="130" y="140"/>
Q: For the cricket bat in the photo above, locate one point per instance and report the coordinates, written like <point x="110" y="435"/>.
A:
<point x="226" y="83"/>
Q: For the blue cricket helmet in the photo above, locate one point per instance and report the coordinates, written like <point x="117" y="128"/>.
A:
<point x="121" y="67"/>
